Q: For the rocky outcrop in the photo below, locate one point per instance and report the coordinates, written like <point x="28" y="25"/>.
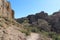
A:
<point x="5" y="9"/>
<point x="9" y="28"/>
<point x="53" y="21"/>
<point x="11" y="33"/>
<point x="34" y="18"/>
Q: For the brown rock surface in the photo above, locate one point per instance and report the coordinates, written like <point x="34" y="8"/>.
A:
<point x="11" y="33"/>
<point x="5" y="9"/>
<point x="9" y="29"/>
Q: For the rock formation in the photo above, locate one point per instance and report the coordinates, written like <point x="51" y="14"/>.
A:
<point x="5" y="9"/>
<point x="9" y="29"/>
<point x="53" y="21"/>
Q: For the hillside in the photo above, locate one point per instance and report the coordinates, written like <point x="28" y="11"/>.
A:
<point x="10" y="29"/>
<point x="43" y="21"/>
<point x="48" y="25"/>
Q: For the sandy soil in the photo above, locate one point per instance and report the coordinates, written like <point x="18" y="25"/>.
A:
<point x="33" y="36"/>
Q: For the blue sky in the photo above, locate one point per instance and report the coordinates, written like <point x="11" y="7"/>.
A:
<point x="23" y="8"/>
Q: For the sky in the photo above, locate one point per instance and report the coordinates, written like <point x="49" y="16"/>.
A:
<point x="24" y="8"/>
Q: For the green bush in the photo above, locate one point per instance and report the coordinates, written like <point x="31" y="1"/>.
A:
<point x="54" y="36"/>
<point x="26" y="32"/>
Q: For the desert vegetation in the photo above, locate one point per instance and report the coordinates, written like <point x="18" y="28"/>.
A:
<point x="49" y="25"/>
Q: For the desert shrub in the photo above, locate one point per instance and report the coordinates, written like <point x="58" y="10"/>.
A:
<point x="1" y="25"/>
<point x="44" y="33"/>
<point x="54" y="36"/>
<point x="58" y="38"/>
<point x="44" y="25"/>
<point x="21" y="20"/>
<point x="32" y="28"/>
<point x="26" y="32"/>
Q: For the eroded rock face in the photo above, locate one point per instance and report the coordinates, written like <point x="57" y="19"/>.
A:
<point x="9" y="29"/>
<point x="11" y="33"/>
<point x="5" y="9"/>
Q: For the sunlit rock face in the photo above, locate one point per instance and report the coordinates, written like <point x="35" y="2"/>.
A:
<point x="9" y="29"/>
<point x="5" y="9"/>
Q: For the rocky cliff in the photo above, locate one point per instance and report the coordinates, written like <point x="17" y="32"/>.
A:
<point x="5" y="9"/>
<point x="9" y="28"/>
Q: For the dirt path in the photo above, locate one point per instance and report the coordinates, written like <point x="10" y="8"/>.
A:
<point x="36" y="36"/>
<point x="33" y="36"/>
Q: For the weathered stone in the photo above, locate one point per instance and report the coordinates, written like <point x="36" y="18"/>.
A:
<point x="5" y="9"/>
<point x="9" y="29"/>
